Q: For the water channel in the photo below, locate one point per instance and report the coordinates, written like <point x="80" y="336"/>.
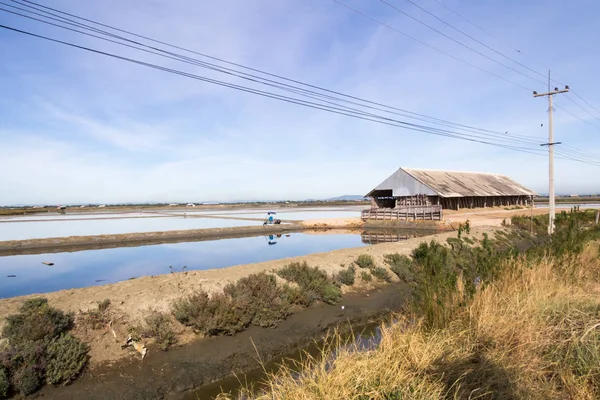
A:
<point x="26" y="274"/>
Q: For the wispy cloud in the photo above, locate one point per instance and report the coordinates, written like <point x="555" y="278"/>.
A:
<point x="75" y="126"/>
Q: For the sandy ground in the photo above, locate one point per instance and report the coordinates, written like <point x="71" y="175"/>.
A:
<point x="491" y="217"/>
<point x="477" y="217"/>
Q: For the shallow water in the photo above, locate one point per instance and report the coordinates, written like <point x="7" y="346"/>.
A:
<point x="98" y="267"/>
<point x="22" y="230"/>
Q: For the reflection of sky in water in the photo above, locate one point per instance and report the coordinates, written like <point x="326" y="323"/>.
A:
<point x="83" y="268"/>
<point x="46" y="229"/>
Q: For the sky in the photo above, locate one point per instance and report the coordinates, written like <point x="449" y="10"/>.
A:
<point x="78" y="127"/>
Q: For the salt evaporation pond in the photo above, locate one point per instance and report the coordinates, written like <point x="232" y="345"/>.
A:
<point x="97" y="267"/>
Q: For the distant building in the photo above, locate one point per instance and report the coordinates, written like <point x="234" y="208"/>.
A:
<point x="413" y="192"/>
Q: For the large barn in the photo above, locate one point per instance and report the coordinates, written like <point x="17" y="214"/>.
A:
<point x="411" y="189"/>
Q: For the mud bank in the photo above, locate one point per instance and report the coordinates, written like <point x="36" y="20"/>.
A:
<point x="75" y="243"/>
<point x="176" y="373"/>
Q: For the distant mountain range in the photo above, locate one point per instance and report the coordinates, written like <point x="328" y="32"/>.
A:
<point x="347" y="197"/>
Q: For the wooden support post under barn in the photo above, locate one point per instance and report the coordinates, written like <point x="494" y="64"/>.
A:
<point x="419" y="194"/>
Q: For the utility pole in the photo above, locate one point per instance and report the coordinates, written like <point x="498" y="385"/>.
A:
<point x="550" y="145"/>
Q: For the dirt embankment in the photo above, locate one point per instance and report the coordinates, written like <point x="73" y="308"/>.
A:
<point x="75" y="243"/>
<point x="172" y="374"/>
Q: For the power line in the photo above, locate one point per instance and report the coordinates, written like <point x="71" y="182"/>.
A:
<point x="494" y="36"/>
<point x="344" y="110"/>
<point x="583" y="108"/>
<point x="72" y="22"/>
<point x="474" y="39"/>
<point x="399" y="124"/>
<point x="428" y="45"/>
<point x="457" y="41"/>
<point x="586" y="102"/>
<point x="577" y="116"/>
<point x="499" y="136"/>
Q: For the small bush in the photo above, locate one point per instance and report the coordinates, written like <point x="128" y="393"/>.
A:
<point x="255" y="299"/>
<point x="346" y="276"/>
<point x="314" y="283"/>
<point x="27" y="380"/>
<point x="365" y="261"/>
<point x="222" y="317"/>
<point x="158" y="326"/>
<point x="39" y="349"/>
<point x="98" y="318"/>
<point x="331" y="294"/>
<point x="36" y="321"/>
<point x="400" y="265"/>
<point x="4" y="383"/>
<point x="187" y="310"/>
<point x="366" y="276"/>
<point x="103" y="305"/>
<point x="265" y="303"/>
<point x="212" y="316"/>
<point x="381" y="273"/>
<point x="67" y="357"/>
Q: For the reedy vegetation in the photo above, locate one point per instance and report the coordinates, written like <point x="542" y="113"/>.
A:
<point x="512" y="318"/>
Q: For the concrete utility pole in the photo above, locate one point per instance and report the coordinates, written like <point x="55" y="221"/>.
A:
<point x="550" y="145"/>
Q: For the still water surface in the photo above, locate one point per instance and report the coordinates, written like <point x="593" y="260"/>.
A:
<point x="45" y="229"/>
<point x="98" y="267"/>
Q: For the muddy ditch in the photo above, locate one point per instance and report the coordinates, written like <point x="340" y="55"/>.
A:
<point x="198" y="370"/>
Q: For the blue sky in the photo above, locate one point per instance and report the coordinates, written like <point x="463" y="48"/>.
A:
<point x="79" y="127"/>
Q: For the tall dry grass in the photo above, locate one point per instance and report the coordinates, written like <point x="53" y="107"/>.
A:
<point x="532" y="334"/>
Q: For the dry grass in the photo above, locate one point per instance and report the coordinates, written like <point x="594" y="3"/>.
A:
<point x="532" y="334"/>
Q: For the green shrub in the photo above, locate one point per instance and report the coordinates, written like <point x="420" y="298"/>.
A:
<point x="222" y="317"/>
<point x="67" y="357"/>
<point x="400" y="265"/>
<point x="188" y="309"/>
<point x="34" y="304"/>
<point x="314" y="283"/>
<point x="211" y="315"/>
<point x="27" y="379"/>
<point x="346" y="276"/>
<point x="259" y="296"/>
<point x="366" y="276"/>
<point x="39" y="348"/>
<point x="158" y="326"/>
<point x="381" y="273"/>
<point x="365" y="261"/>
<point x="4" y="383"/>
<point x="331" y="294"/>
<point x="36" y="321"/>
<point x="255" y="299"/>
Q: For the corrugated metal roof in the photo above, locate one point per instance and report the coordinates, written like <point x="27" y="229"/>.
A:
<point x="462" y="184"/>
<point x="410" y="181"/>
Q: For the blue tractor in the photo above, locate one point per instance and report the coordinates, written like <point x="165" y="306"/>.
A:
<point x="270" y="219"/>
